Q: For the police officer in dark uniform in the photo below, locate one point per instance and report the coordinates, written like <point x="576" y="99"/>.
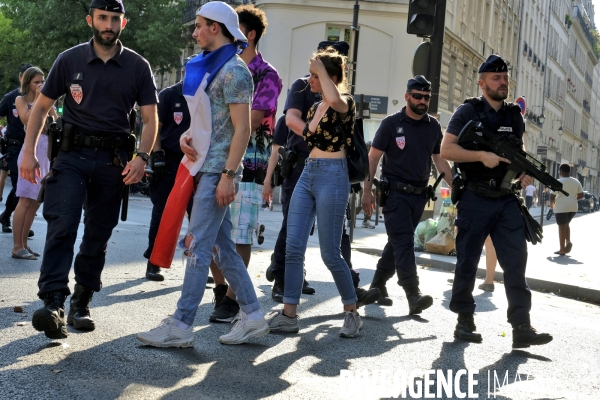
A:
<point x="409" y="140"/>
<point x="486" y="209"/>
<point x="173" y="121"/>
<point x="15" y="135"/>
<point x="299" y="101"/>
<point x="102" y="80"/>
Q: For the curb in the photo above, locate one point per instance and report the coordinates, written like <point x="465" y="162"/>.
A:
<point x="540" y="285"/>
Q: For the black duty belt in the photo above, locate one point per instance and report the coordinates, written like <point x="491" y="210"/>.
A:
<point x="487" y="191"/>
<point x="407" y="188"/>
<point x="14" y="142"/>
<point x="112" y="142"/>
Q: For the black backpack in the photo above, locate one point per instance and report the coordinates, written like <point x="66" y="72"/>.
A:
<point x="357" y="155"/>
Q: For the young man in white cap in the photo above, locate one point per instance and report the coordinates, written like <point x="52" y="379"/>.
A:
<point x="219" y="88"/>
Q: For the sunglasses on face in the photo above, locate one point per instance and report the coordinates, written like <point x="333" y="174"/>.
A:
<point x="419" y="96"/>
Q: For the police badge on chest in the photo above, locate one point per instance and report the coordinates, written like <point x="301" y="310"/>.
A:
<point x="400" y="140"/>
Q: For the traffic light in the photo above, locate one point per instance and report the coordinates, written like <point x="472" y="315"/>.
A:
<point x="421" y="17"/>
<point x="60" y="109"/>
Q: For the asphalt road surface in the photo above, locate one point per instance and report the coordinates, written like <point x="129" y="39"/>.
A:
<point x="109" y="363"/>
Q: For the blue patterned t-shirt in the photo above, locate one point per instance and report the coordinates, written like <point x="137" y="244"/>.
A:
<point x="232" y="85"/>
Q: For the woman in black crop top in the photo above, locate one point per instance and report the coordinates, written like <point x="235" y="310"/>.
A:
<point x="322" y="192"/>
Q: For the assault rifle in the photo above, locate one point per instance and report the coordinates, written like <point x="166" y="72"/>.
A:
<point x="509" y="148"/>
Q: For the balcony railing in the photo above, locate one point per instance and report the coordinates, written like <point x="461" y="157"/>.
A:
<point x="585" y="26"/>
<point x="191" y="6"/>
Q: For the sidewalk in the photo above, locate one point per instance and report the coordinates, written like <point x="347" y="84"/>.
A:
<point x="576" y="275"/>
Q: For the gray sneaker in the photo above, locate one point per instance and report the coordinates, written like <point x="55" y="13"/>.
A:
<point x="244" y="330"/>
<point x="367" y="224"/>
<point x="352" y="325"/>
<point x="282" y="323"/>
<point x="168" y="334"/>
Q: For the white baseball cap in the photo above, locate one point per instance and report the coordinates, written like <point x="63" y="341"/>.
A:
<point x="223" y="13"/>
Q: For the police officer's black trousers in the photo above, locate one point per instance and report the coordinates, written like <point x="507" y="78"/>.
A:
<point x="278" y="262"/>
<point x="479" y="217"/>
<point x="401" y="214"/>
<point x="12" y="200"/>
<point x="82" y="175"/>
<point x="159" y="194"/>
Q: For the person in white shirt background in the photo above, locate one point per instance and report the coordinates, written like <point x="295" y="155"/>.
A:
<point x="565" y="207"/>
<point x="530" y="194"/>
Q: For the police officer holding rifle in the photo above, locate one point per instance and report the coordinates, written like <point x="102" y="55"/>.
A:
<point x="102" y="80"/>
<point x="488" y="206"/>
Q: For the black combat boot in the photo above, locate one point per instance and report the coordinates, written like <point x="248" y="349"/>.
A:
<point x="306" y="288"/>
<point x="79" y="309"/>
<point x="219" y="291"/>
<point x="51" y="318"/>
<point x="379" y="283"/>
<point x="366" y="296"/>
<point x="525" y="335"/>
<point x="465" y="329"/>
<point x="153" y="273"/>
<point x="5" y="221"/>
<point x="416" y="301"/>
<point x="277" y="291"/>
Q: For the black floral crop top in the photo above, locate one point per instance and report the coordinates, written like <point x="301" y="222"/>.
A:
<point x="329" y="136"/>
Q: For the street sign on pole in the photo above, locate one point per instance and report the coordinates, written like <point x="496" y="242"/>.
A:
<point x="521" y="103"/>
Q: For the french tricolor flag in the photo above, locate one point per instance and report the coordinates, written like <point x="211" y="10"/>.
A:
<point x="199" y="73"/>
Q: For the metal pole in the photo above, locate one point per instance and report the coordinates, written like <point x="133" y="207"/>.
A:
<point x="355" y="47"/>
<point x="436" y="54"/>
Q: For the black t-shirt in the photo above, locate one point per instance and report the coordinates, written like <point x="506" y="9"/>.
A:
<point x="100" y="96"/>
<point x="281" y="132"/>
<point x="174" y="115"/>
<point x="14" y="126"/>
<point x="301" y="98"/>
<point x="408" y="145"/>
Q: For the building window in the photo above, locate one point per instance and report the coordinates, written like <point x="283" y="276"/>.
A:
<point x="339" y="33"/>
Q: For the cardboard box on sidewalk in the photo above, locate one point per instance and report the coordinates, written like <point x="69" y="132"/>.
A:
<point x="442" y="243"/>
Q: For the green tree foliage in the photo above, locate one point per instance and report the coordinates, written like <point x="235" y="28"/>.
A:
<point x="11" y="48"/>
<point x="52" y="26"/>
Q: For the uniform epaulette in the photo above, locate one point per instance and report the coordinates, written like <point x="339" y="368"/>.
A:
<point x="473" y="100"/>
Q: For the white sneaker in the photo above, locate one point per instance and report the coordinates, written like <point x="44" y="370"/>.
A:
<point x="168" y="334"/>
<point x="244" y="330"/>
<point x="352" y="325"/>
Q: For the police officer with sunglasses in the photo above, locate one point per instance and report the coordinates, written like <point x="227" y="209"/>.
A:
<point x="409" y="141"/>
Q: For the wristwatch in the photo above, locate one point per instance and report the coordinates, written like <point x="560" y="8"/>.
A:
<point x="230" y="173"/>
<point x="144" y="156"/>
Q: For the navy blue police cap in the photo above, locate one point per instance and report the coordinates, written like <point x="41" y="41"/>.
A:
<point x="340" y="47"/>
<point x="25" y="67"/>
<point x="494" y="63"/>
<point x="418" y="83"/>
<point x="109" y="5"/>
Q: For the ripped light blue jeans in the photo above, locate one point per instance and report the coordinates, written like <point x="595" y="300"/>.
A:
<point x="211" y="226"/>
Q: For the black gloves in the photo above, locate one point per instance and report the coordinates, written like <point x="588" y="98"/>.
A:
<point x="158" y="164"/>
